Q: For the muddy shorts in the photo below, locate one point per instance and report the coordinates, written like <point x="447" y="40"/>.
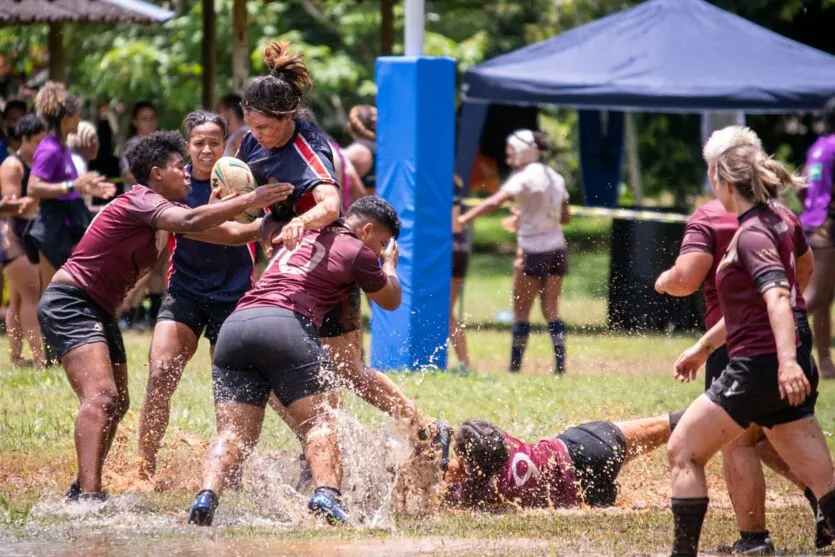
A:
<point x="267" y="349"/>
<point x="69" y="318"/>
<point x="597" y="450"/>
<point x="345" y="317"/>
<point x="197" y="312"/>
<point x="543" y="265"/>
<point x="748" y="391"/>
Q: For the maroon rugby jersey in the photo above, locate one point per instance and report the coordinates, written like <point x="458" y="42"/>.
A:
<point x="317" y="275"/>
<point x="120" y="246"/>
<point x="710" y="230"/>
<point x="798" y="238"/>
<point x="539" y="475"/>
<point x="764" y="242"/>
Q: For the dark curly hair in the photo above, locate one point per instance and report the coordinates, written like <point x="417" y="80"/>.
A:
<point x="377" y="209"/>
<point x="154" y="150"/>
<point x="482" y="445"/>
<point x="283" y="90"/>
<point x="200" y="117"/>
<point x="30" y="126"/>
<point x="233" y="102"/>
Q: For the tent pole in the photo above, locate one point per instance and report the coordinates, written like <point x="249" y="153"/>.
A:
<point x="240" y="46"/>
<point x="633" y="159"/>
<point x="208" y="48"/>
<point x="57" y="53"/>
<point x="414" y="27"/>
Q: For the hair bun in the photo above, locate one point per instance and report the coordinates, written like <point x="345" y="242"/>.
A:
<point x="285" y="65"/>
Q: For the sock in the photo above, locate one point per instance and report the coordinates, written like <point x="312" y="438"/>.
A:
<point x="675" y="418"/>
<point x="688" y="516"/>
<point x="753" y="537"/>
<point x="520" y="333"/>
<point x="826" y="506"/>
<point x="813" y="501"/>
<point x="557" y="330"/>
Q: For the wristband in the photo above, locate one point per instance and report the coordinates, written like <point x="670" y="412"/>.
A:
<point x="69" y="185"/>
<point x="706" y="346"/>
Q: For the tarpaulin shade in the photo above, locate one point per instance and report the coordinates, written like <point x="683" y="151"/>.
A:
<point x="663" y="55"/>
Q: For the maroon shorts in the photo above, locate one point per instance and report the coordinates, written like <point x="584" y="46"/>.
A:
<point x="543" y="265"/>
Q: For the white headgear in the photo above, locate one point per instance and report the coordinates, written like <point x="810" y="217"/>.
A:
<point x="523" y="145"/>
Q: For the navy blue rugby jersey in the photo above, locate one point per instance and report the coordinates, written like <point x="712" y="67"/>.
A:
<point x="305" y="161"/>
<point x="218" y="273"/>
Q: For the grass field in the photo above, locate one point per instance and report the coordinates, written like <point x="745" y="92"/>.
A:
<point x="611" y="377"/>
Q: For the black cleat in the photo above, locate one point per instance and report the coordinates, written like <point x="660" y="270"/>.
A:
<point x="203" y="510"/>
<point x="744" y="547"/>
<point x="73" y="492"/>
<point x="823" y="535"/>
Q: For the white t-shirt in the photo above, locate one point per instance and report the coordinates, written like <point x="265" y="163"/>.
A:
<point x="540" y="193"/>
<point x="79" y="163"/>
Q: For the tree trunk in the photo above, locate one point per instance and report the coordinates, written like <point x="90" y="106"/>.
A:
<point x="633" y="160"/>
<point x="209" y="59"/>
<point x="57" y="53"/>
<point x="386" y="27"/>
<point x="240" y="46"/>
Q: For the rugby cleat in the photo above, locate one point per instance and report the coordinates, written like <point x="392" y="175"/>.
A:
<point x="745" y="547"/>
<point x="73" y="492"/>
<point x="325" y="504"/>
<point x="92" y="497"/>
<point x="203" y="510"/>
<point x="823" y="535"/>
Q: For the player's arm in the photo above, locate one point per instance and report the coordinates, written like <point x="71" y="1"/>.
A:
<point x="390" y="295"/>
<point x="230" y="233"/>
<point x="804" y="267"/>
<point x="686" y="276"/>
<point x="11" y="178"/>
<point x="325" y="212"/>
<point x="489" y="205"/>
<point x="182" y="220"/>
<point x="91" y="183"/>
<point x="360" y="156"/>
<point x="356" y="188"/>
<point x="689" y="362"/>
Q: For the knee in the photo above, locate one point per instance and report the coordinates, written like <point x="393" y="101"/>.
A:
<point x="105" y="403"/>
<point x="680" y="454"/>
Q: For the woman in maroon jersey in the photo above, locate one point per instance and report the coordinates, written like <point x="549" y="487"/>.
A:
<point x="77" y="310"/>
<point x="769" y="380"/>
<point x="707" y="235"/>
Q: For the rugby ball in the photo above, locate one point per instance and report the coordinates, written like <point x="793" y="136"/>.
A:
<point x="233" y="176"/>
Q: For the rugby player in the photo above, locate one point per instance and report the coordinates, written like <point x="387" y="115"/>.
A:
<point x="492" y="469"/>
<point x="542" y="255"/>
<point x="205" y="282"/>
<point x="770" y="380"/>
<point x="706" y="238"/>
<point x="77" y="310"/>
<point x="269" y="345"/>
<point x="22" y="276"/>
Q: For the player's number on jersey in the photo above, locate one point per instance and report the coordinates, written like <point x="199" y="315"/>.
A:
<point x="317" y="255"/>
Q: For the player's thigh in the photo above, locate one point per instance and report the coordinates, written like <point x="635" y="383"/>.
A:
<point x="345" y="352"/>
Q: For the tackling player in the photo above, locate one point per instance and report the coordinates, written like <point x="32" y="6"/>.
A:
<point x="77" y="310"/>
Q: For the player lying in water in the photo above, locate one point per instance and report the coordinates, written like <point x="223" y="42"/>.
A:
<point x="492" y="469"/>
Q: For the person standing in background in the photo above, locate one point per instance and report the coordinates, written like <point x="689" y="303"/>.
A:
<point x="21" y="274"/>
<point x="84" y="144"/>
<point x="230" y="109"/>
<point x="12" y="113"/>
<point x="818" y="219"/>
<point x="362" y="153"/>
<point x="143" y="122"/>
<point x="542" y="255"/>
<point x="62" y="216"/>
<point x="460" y="263"/>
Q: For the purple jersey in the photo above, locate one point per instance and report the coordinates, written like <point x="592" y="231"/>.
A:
<point x="819" y="162"/>
<point x="53" y="164"/>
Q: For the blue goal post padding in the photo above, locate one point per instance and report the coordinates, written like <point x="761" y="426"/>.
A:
<point x="415" y="155"/>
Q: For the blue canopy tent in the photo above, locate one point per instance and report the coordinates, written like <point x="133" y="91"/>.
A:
<point x="661" y="56"/>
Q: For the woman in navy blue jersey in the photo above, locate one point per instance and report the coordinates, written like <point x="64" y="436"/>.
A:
<point x="205" y="282"/>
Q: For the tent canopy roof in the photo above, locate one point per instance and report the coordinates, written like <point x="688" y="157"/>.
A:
<point x="663" y="55"/>
<point x="24" y="12"/>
